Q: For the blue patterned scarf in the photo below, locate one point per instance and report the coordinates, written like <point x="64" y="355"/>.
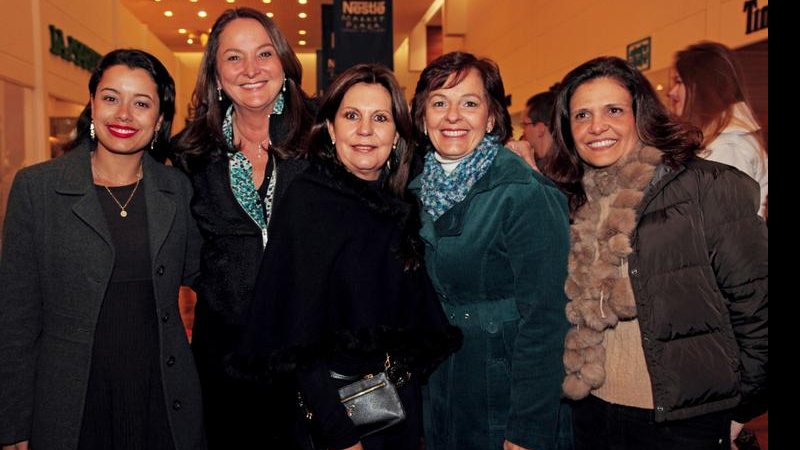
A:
<point x="441" y="191"/>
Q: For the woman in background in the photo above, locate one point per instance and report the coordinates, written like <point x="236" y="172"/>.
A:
<point x="248" y="118"/>
<point x="708" y="91"/>
<point x="93" y="352"/>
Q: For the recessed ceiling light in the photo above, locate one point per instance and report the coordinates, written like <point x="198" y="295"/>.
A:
<point x="230" y="1"/>
<point x="190" y="41"/>
<point x="193" y="1"/>
<point x="302" y="42"/>
<point x="201" y="13"/>
<point x="267" y="1"/>
<point x="302" y="15"/>
<point x="302" y="2"/>
<point x="168" y="13"/>
<point x="302" y="32"/>
<point x="182" y="30"/>
<point x="270" y="15"/>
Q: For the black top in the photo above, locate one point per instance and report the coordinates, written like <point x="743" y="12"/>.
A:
<point x="125" y="406"/>
<point x="334" y="292"/>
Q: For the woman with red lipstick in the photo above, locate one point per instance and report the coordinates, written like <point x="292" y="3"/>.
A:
<point x="343" y="283"/>
<point x="93" y="353"/>
<point x="667" y="273"/>
<point x="249" y="117"/>
<point x="497" y="241"/>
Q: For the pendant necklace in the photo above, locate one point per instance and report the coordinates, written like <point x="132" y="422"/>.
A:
<point x="122" y="212"/>
<point x="123" y="206"/>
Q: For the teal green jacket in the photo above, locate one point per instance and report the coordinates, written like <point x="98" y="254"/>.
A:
<point x="498" y="261"/>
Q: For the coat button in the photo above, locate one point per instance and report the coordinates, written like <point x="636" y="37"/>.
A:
<point x="635" y="272"/>
<point x="165" y="317"/>
<point x="160" y="270"/>
<point x="176" y="405"/>
<point x="171" y="361"/>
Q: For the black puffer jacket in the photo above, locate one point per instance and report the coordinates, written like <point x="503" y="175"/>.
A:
<point x="699" y="272"/>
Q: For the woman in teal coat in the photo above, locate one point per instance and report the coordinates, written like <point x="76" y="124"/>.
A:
<point x="497" y="239"/>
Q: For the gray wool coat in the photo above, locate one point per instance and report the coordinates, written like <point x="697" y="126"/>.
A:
<point x="57" y="259"/>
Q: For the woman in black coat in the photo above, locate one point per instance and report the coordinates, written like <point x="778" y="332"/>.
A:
<point x="240" y="148"/>
<point x="93" y="352"/>
<point x="343" y="281"/>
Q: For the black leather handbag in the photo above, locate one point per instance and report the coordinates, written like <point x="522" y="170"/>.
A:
<point x="371" y="401"/>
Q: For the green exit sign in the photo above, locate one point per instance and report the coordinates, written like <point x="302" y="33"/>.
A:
<point x="639" y="53"/>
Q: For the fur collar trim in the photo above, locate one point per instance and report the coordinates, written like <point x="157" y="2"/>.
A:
<point x="598" y="284"/>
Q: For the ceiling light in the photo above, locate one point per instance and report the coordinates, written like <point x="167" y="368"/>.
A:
<point x="267" y="1"/>
<point x="270" y="15"/>
<point x="182" y="30"/>
<point x="302" y="42"/>
<point x="201" y="13"/>
<point x="190" y="41"/>
<point x="230" y="1"/>
<point x="193" y="1"/>
<point x="302" y="15"/>
<point x="168" y="13"/>
<point x="302" y="2"/>
<point x="302" y="32"/>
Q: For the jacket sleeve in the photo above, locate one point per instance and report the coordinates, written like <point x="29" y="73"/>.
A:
<point x="537" y="230"/>
<point x="20" y="313"/>
<point x="737" y="240"/>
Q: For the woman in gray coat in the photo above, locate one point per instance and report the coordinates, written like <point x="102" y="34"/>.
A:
<point x="93" y="353"/>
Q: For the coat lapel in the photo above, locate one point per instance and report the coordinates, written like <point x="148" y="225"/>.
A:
<point x="159" y="191"/>
<point x="76" y="180"/>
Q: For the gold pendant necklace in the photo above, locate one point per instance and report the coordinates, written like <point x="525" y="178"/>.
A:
<point x="122" y="212"/>
<point x="122" y="207"/>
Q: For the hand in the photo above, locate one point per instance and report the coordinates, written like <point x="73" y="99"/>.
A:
<point x="21" y="445"/>
<point x="524" y="150"/>
<point x="508" y="445"/>
<point x="736" y="428"/>
<point x="358" y="446"/>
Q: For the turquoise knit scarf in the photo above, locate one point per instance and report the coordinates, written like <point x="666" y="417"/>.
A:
<point x="441" y="191"/>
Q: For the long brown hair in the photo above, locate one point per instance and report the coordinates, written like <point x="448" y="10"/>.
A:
<point x="655" y="126"/>
<point x="714" y="84"/>
<point x="203" y="139"/>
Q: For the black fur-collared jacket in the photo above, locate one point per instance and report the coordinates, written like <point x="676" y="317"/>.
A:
<point x="335" y="293"/>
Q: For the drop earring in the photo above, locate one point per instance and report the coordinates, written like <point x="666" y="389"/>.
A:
<point x="280" y="101"/>
<point x="219" y="93"/>
<point x="91" y="130"/>
<point x="153" y="142"/>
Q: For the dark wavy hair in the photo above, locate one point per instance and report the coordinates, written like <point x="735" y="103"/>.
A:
<point x="202" y="140"/>
<point x="714" y="83"/>
<point x="655" y="126"/>
<point x="319" y="141"/>
<point x="435" y="77"/>
<point x="134" y="59"/>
